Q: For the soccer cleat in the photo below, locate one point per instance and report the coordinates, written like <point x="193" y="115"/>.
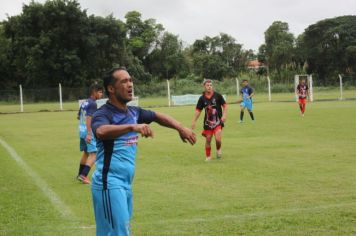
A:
<point x="207" y="158"/>
<point x="218" y="155"/>
<point x="84" y="179"/>
<point x="241" y="121"/>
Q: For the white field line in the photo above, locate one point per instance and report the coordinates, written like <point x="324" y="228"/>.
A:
<point x="246" y="216"/>
<point x="41" y="184"/>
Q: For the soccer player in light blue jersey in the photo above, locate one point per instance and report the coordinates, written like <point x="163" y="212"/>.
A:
<point x="87" y="140"/>
<point x="246" y="102"/>
<point x="116" y="127"/>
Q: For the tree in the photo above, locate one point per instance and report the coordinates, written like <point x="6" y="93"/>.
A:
<point x="218" y="57"/>
<point x="142" y="35"/>
<point x="47" y="43"/>
<point x="329" y="47"/>
<point x="278" y="48"/>
<point x="167" y="59"/>
<point x="5" y="63"/>
<point x="57" y="42"/>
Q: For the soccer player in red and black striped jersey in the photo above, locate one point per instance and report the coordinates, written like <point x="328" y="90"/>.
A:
<point x="215" y="116"/>
<point x="302" y="92"/>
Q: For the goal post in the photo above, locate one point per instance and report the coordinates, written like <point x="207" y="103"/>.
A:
<point x="309" y="80"/>
<point x="341" y="88"/>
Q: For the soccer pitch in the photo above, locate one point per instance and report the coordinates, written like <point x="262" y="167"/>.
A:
<point x="283" y="175"/>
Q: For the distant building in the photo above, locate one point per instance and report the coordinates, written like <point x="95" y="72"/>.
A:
<point x="254" y="65"/>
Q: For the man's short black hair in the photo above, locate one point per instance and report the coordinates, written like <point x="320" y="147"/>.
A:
<point x="245" y="80"/>
<point x="95" y="88"/>
<point x="109" y="78"/>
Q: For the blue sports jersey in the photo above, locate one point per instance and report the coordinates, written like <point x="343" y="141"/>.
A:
<point x="115" y="160"/>
<point x="246" y="92"/>
<point x="87" y="108"/>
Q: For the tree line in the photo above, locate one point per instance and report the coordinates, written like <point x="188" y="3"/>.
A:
<point x="58" y="42"/>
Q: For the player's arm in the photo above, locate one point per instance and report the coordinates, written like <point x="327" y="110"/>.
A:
<point x="88" y="119"/>
<point x="252" y="93"/>
<point x="198" y="109"/>
<point x="107" y="132"/>
<point x="184" y="133"/>
<point x="241" y="97"/>
<point x="224" y="116"/>
<point x="195" y="118"/>
<point x="224" y="107"/>
<point x="297" y="93"/>
<point x="88" y="124"/>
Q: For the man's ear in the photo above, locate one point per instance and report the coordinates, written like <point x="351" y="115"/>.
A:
<point x="111" y="89"/>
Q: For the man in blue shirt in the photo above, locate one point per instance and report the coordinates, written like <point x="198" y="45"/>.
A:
<point x="116" y="127"/>
<point x="87" y="140"/>
<point x="246" y="102"/>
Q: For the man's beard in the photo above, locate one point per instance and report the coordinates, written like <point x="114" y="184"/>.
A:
<point x="121" y="99"/>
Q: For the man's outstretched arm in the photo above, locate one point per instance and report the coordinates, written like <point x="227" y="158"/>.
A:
<point x="184" y="133"/>
<point x="106" y="132"/>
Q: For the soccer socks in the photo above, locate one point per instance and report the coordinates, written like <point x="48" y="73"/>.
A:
<point x="218" y="145"/>
<point x="251" y="115"/>
<point x="81" y="167"/>
<point x="85" y="170"/>
<point x="302" y="108"/>
<point x="207" y="151"/>
<point x="241" y="115"/>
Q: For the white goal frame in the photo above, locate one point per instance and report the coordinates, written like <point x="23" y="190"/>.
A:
<point x="309" y="79"/>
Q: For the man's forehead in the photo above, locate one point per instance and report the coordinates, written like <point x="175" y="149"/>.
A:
<point x="121" y="74"/>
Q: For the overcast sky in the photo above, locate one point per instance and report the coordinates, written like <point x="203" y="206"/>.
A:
<point x="246" y="20"/>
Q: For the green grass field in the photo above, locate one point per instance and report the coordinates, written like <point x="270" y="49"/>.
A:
<point x="283" y="175"/>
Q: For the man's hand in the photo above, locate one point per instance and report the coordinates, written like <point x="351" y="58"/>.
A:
<point x="88" y="138"/>
<point x="144" y="129"/>
<point x="187" y="135"/>
<point x="223" y="118"/>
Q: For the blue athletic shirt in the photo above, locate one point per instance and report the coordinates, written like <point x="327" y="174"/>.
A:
<point x="115" y="160"/>
<point x="246" y="92"/>
<point x="87" y="108"/>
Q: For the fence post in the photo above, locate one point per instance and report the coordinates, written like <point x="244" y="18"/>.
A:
<point x="269" y="89"/>
<point x="21" y="99"/>
<point x="311" y="88"/>
<point x="168" y="93"/>
<point x="60" y="97"/>
<point x="341" y="88"/>
<point x="296" y="82"/>
<point x="237" y="88"/>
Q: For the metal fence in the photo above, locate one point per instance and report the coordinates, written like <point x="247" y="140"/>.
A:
<point x="159" y="93"/>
